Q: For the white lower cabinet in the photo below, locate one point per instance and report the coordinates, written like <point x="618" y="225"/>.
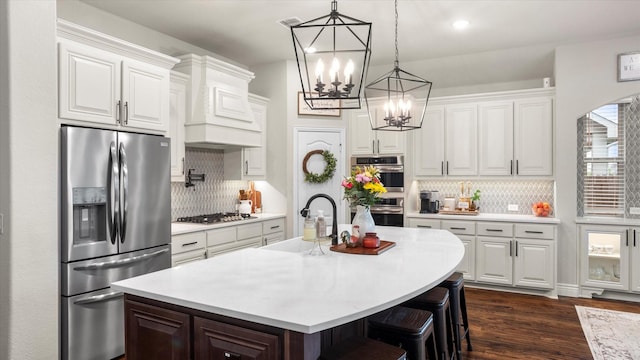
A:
<point x="188" y="247"/>
<point x="520" y="255"/>
<point x="525" y="258"/>
<point x="208" y="243"/>
<point x="610" y="258"/>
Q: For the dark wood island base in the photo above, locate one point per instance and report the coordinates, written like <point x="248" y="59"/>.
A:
<point x="159" y="330"/>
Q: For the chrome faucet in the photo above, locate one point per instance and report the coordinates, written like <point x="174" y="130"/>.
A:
<point x="334" y="226"/>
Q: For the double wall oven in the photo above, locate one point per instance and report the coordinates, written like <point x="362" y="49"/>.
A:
<point x="390" y="210"/>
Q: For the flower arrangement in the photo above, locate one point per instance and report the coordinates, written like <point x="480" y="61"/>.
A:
<point x="363" y="186"/>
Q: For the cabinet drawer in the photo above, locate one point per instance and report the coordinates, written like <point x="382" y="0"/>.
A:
<point x="535" y="231"/>
<point x="221" y="236"/>
<point x="187" y="257"/>
<point x="249" y="231"/>
<point x="225" y="248"/>
<point x="424" y="223"/>
<point x="272" y="226"/>
<point x="495" y="229"/>
<point x="188" y="242"/>
<point x="460" y="227"/>
<point x="273" y="238"/>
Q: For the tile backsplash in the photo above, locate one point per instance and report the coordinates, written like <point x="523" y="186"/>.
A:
<point x="496" y="195"/>
<point x="211" y="196"/>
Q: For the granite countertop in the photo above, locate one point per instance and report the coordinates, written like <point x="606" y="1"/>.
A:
<point x="178" y="228"/>
<point x="282" y="285"/>
<point x="489" y="217"/>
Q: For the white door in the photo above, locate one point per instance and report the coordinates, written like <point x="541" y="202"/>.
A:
<point x="362" y="138"/>
<point x="145" y="96"/>
<point x="495" y="138"/>
<point x="428" y="142"/>
<point x="534" y="263"/>
<point x="307" y="140"/>
<point x="534" y="136"/>
<point x="461" y="139"/>
<point x="494" y="261"/>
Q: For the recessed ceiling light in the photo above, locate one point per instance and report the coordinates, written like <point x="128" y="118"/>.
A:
<point x="460" y="24"/>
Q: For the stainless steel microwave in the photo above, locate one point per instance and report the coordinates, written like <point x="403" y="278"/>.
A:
<point x="391" y="168"/>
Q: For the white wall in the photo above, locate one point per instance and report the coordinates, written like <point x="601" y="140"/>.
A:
<point x="29" y="259"/>
<point x="586" y="77"/>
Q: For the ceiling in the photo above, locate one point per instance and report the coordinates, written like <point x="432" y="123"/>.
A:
<point x="511" y="40"/>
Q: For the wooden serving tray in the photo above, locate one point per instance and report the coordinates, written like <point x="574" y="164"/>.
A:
<point x="458" y="212"/>
<point x="384" y="246"/>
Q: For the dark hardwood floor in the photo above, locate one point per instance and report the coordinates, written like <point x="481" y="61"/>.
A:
<point x="515" y="326"/>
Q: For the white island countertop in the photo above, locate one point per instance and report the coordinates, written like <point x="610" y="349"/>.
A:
<point x="281" y="285"/>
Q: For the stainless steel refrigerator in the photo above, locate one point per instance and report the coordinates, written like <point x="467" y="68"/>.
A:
<point x="115" y="224"/>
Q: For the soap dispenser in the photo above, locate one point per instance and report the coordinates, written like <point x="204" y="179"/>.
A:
<point x="309" y="232"/>
<point x="321" y="225"/>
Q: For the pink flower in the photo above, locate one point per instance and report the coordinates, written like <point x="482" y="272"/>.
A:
<point x="347" y="184"/>
<point x="362" y="178"/>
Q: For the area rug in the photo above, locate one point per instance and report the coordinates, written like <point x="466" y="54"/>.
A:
<point x="610" y="334"/>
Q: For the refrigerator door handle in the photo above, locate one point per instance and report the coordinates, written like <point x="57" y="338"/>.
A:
<point x="113" y="182"/>
<point x="121" y="262"/>
<point x="125" y="187"/>
<point x="98" y="298"/>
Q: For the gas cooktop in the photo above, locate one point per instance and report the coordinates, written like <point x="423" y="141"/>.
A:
<point x="214" y="218"/>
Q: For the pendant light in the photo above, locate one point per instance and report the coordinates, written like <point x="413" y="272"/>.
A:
<point x="397" y="101"/>
<point x="333" y="54"/>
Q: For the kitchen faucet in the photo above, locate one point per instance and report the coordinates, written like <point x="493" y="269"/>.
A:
<point x="334" y="226"/>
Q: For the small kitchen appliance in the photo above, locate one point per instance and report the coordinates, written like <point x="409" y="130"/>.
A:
<point x="429" y="202"/>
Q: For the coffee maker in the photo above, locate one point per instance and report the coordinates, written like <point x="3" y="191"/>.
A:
<point x="429" y="202"/>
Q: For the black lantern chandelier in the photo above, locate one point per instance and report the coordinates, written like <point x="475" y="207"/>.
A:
<point x="392" y="99"/>
<point x="339" y="44"/>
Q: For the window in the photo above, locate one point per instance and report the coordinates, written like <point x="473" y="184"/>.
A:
<point x="602" y="163"/>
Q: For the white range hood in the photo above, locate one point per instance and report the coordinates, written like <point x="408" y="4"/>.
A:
<point x="219" y="115"/>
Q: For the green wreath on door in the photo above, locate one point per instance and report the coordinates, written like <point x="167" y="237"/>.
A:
<point x="329" y="169"/>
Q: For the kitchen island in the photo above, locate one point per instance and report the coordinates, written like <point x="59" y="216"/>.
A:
<point x="278" y="301"/>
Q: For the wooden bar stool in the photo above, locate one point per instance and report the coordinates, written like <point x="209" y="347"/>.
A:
<point x="436" y="301"/>
<point x="411" y="329"/>
<point x="455" y="285"/>
<point x="357" y="348"/>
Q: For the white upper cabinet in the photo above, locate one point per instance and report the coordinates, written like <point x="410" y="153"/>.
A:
<point x="428" y="143"/>
<point x="461" y="124"/>
<point x="178" y="112"/>
<point x="534" y="136"/>
<point x="495" y="138"/>
<point x="249" y="163"/>
<point x="365" y="141"/>
<point x="110" y="83"/>
<point x="497" y="134"/>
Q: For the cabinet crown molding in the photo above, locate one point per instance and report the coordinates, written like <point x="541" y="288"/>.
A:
<point x="81" y="34"/>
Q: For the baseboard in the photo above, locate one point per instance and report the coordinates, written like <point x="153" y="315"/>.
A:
<point x="570" y="290"/>
<point x="518" y="290"/>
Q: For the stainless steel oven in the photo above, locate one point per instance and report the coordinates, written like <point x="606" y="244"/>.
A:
<point x="391" y="168"/>
<point x="388" y="212"/>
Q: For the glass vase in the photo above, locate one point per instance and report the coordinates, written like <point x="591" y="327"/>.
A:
<point x="362" y="222"/>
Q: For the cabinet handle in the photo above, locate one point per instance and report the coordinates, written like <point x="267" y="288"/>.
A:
<point x="246" y="167"/>
<point x="189" y="244"/>
<point x="447" y="167"/>
<point x="458" y="228"/>
<point x="510" y="247"/>
<point x="378" y="145"/>
<point x="118" y="112"/>
<point x="275" y="227"/>
<point x="495" y="230"/>
<point x="634" y="237"/>
<point x="373" y="146"/>
<point x="425" y="226"/>
<point x="441" y="167"/>
<point x="126" y="113"/>
<point x="511" y="167"/>
<point x="182" y="165"/>
<point x="533" y="232"/>
<point x="627" y="241"/>
<point x="516" y="248"/>
<point x="229" y="355"/>
<point x="517" y="167"/>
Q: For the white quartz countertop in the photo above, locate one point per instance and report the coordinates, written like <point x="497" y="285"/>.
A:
<point x="178" y="228"/>
<point x="282" y="285"/>
<point x="489" y="217"/>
